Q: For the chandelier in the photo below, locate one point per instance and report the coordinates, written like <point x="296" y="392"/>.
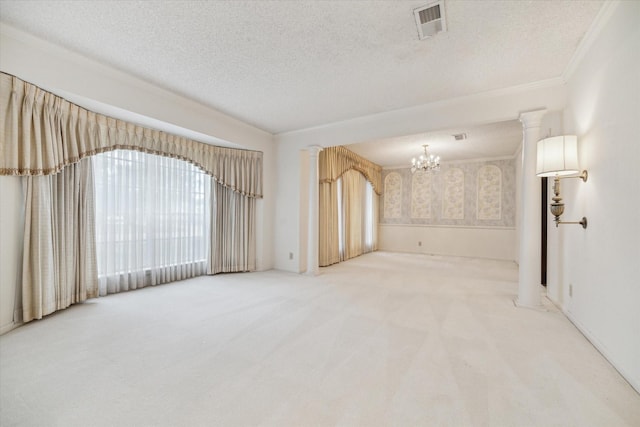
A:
<point x="426" y="162"/>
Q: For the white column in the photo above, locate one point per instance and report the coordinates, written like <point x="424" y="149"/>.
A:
<point x="530" y="230"/>
<point x="314" y="183"/>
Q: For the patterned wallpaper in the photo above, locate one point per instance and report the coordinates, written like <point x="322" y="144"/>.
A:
<point x="393" y="199"/>
<point x="453" y="194"/>
<point x="421" y="195"/>
<point x="477" y="194"/>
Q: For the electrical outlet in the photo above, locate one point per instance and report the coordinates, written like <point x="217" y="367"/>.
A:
<point x="419" y="243"/>
<point x="570" y="289"/>
<point x="290" y="255"/>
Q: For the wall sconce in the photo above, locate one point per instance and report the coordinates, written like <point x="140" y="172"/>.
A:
<point x="558" y="157"/>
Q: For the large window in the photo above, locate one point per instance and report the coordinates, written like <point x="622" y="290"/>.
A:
<point x="152" y="219"/>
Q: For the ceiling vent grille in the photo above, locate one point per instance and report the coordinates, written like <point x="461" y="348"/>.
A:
<point x="430" y="19"/>
<point x="460" y="136"/>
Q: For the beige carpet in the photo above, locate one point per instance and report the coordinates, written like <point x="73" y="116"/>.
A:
<point x="384" y="339"/>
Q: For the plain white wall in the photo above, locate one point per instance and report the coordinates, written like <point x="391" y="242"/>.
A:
<point x="71" y="75"/>
<point x="602" y="263"/>
<point x="287" y="226"/>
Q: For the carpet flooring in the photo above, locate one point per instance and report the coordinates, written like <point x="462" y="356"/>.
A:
<point x="383" y="339"/>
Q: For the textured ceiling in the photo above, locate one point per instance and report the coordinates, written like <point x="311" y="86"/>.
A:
<point x="286" y="65"/>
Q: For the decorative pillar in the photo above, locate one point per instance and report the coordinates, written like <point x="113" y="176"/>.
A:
<point x="312" y="240"/>
<point x="530" y="226"/>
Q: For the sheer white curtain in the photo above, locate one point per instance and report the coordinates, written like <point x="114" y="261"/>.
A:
<point x="370" y="219"/>
<point x="374" y="218"/>
<point x="152" y="220"/>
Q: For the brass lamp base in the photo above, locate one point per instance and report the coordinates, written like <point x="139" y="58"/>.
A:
<point x="557" y="207"/>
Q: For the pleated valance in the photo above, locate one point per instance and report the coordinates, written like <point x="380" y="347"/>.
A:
<point x="43" y="133"/>
<point x="335" y="161"/>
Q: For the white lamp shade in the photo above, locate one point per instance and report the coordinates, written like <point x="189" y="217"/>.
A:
<point x="558" y="155"/>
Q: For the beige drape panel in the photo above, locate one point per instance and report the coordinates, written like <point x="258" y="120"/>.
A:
<point x="233" y="237"/>
<point x="43" y="133"/>
<point x="59" y="262"/>
<point x="354" y="208"/>
<point x="335" y="161"/>
<point x="329" y="236"/>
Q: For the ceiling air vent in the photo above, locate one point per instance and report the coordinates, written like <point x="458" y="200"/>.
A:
<point x="460" y="136"/>
<point x="430" y="19"/>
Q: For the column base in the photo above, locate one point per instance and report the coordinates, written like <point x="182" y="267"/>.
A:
<point x="540" y="307"/>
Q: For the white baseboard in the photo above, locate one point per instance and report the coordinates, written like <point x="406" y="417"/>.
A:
<point x="8" y="327"/>
<point x="633" y="382"/>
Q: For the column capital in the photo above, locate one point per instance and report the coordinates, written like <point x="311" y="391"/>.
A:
<point x="314" y="150"/>
<point x="532" y="119"/>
